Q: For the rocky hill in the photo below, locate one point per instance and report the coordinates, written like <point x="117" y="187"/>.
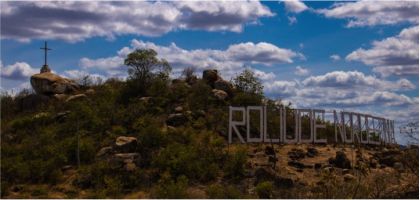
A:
<point x="163" y="138"/>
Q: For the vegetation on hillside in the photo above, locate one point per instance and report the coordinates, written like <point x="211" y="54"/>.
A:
<point x="43" y="137"/>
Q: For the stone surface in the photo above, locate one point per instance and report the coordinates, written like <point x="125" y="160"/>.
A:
<point x="128" y="161"/>
<point x="269" y="150"/>
<point x="398" y="166"/>
<point x="296" y="154"/>
<point x="179" y="109"/>
<point x="76" y="97"/>
<point x="210" y="76"/>
<point x="61" y="115"/>
<point x="341" y="160"/>
<point x="224" y="85"/>
<point x="311" y="152"/>
<point x="90" y="91"/>
<point x="349" y="177"/>
<point x="49" y="84"/>
<point x="125" y="144"/>
<point x="268" y="174"/>
<point x="388" y="157"/>
<point x="219" y="94"/>
<point x="104" y="151"/>
<point x="177" y="119"/>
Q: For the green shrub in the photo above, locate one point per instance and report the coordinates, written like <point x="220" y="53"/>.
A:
<point x="235" y="165"/>
<point x="264" y="190"/>
<point x="217" y="191"/>
<point x="167" y="188"/>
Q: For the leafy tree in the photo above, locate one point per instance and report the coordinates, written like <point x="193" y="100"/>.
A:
<point x="247" y="82"/>
<point x="142" y="63"/>
<point x="144" y="68"/>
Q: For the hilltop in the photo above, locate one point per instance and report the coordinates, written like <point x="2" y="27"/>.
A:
<point x="151" y="136"/>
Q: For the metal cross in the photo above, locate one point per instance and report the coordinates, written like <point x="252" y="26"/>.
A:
<point x="45" y="48"/>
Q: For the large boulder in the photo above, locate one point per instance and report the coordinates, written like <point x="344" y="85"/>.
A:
<point x="219" y="94"/>
<point x="224" y="85"/>
<point x="49" y="83"/>
<point x="341" y="160"/>
<point x="176" y="119"/>
<point x="126" y="144"/>
<point x="210" y="76"/>
<point x="126" y="161"/>
<point x="76" y="97"/>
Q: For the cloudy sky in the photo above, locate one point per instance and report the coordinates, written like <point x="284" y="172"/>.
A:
<point x="360" y="56"/>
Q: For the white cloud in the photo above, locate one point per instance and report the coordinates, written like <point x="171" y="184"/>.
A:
<point x="79" y="74"/>
<point x="295" y="6"/>
<point x="355" y="79"/>
<point x="343" y="90"/>
<point x="335" y="57"/>
<point x="398" y="70"/>
<point x="228" y="61"/>
<point x="18" y="71"/>
<point x="371" y="13"/>
<point x="300" y="71"/>
<point x="264" y="76"/>
<point x="78" y="20"/>
<point x="399" y="54"/>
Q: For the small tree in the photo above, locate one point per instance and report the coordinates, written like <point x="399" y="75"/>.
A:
<point x="248" y="83"/>
<point x="143" y="68"/>
<point x="143" y="63"/>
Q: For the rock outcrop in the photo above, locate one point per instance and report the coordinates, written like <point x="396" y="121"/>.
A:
<point x="219" y="94"/>
<point x="48" y="83"/>
<point x="176" y="119"/>
<point x="212" y="78"/>
<point x="126" y="144"/>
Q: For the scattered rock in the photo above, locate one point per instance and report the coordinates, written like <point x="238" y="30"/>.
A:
<point x="269" y="150"/>
<point x="223" y="85"/>
<point x="145" y="99"/>
<point x="220" y="94"/>
<point x="66" y="168"/>
<point x="171" y="128"/>
<point x="125" y="144"/>
<point x="373" y="163"/>
<point x="176" y="119"/>
<point x="340" y="160"/>
<point x="90" y="91"/>
<point x="48" y="83"/>
<point x="345" y="171"/>
<point x="104" y="151"/>
<point x="76" y="97"/>
<point x="60" y="97"/>
<point x="297" y="164"/>
<point x="268" y="174"/>
<point x="311" y="152"/>
<point x="349" y="177"/>
<point x="296" y="154"/>
<point x="398" y="166"/>
<point x="179" y="109"/>
<point x="328" y="169"/>
<point x="317" y="165"/>
<point x="128" y="161"/>
<point x="61" y="115"/>
<point x="388" y="157"/>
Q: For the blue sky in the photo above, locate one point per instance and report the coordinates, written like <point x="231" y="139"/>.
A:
<point x="360" y="56"/>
